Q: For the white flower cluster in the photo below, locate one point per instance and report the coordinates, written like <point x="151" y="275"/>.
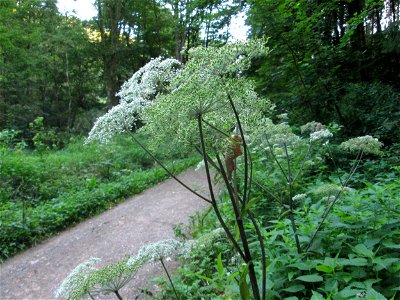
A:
<point x="203" y="241"/>
<point x="136" y="94"/>
<point x="328" y="189"/>
<point x="118" y="119"/>
<point x="150" y="80"/>
<point x="320" y="135"/>
<point x="365" y="144"/>
<point x="299" y="197"/>
<point x="328" y="199"/>
<point x="75" y="278"/>
<point x="157" y="251"/>
<point x="311" y="127"/>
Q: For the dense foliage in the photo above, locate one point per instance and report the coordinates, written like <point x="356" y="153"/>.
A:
<point x="66" y="70"/>
<point x="43" y="192"/>
<point x="332" y="61"/>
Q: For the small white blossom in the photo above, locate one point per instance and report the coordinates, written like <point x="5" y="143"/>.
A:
<point x="299" y="197"/>
<point x="321" y="134"/>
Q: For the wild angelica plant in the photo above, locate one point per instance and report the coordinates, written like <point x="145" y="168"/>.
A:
<point x="198" y="106"/>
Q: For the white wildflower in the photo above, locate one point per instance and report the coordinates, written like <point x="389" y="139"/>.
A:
<point x="74" y="280"/>
<point x="136" y="94"/>
<point x="201" y="242"/>
<point x="330" y="198"/>
<point x="299" y="197"/>
<point x="366" y="144"/>
<point x="157" y="251"/>
<point x="321" y="134"/>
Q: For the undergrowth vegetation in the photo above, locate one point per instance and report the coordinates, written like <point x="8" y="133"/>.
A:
<point x="45" y="191"/>
<point x="356" y="254"/>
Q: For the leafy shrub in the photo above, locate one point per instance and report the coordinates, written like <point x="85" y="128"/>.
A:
<point x="41" y="194"/>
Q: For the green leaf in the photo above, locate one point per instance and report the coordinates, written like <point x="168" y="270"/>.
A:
<point x="294" y="288"/>
<point x="349" y="293"/>
<point x="362" y="250"/>
<point x="383" y="263"/>
<point x="310" y="278"/>
<point x="220" y="267"/>
<point x="325" y="269"/>
<point x="357" y="261"/>
<point x="243" y="286"/>
<point x="372" y="294"/>
<point x="317" y="296"/>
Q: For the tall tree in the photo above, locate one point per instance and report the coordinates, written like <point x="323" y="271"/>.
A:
<point x="323" y="51"/>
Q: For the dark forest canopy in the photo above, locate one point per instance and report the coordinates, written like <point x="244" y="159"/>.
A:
<point x="331" y="61"/>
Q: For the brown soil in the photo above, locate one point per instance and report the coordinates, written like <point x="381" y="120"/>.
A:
<point x="111" y="236"/>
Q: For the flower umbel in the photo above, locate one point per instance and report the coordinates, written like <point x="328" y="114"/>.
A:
<point x="365" y="144"/>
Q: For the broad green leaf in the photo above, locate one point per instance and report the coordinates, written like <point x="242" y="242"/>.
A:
<point x="374" y="295"/>
<point x="349" y="293"/>
<point x="232" y="276"/>
<point x="357" y="261"/>
<point x="362" y="250"/>
<point x="310" y="278"/>
<point x="317" y="296"/>
<point x="294" y="288"/>
<point x="383" y="263"/>
<point x="391" y="245"/>
<point x="325" y="269"/>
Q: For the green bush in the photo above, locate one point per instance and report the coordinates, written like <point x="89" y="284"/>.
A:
<point x="41" y="194"/>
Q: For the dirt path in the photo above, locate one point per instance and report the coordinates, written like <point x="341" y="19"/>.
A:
<point x="111" y="236"/>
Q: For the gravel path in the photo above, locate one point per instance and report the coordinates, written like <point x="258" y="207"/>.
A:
<point x="111" y="236"/>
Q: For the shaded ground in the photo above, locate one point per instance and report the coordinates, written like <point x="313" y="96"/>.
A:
<point x="121" y="231"/>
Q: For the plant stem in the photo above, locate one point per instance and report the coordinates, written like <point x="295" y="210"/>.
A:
<point x="214" y="202"/>
<point x="326" y="213"/>
<point x="166" y="169"/>
<point x="263" y="256"/>
<point x="290" y="183"/>
<point x="233" y="195"/>
<point x="275" y="158"/>
<point x="246" y="164"/>
<point x="118" y="295"/>
<point x="170" y="280"/>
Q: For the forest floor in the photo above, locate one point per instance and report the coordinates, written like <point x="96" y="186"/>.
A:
<point x="111" y="236"/>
